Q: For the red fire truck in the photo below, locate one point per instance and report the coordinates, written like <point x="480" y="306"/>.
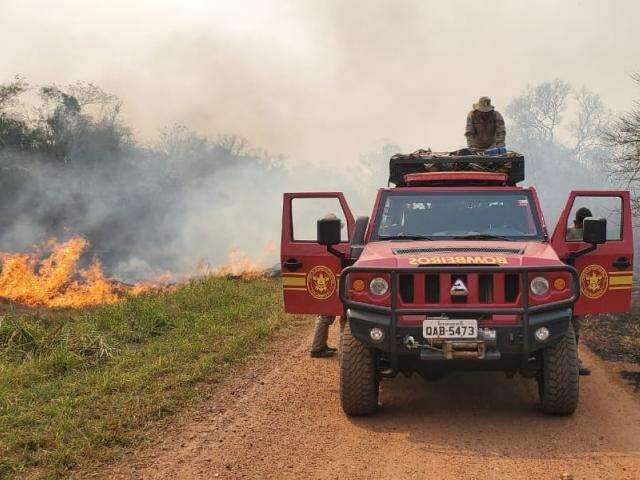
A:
<point x="455" y="269"/>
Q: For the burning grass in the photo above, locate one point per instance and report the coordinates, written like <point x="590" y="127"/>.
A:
<point x="79" y="386"/>
<point x="50" y="276"/>
<point x="241" y="266"/>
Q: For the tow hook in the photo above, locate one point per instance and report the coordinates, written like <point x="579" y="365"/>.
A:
<point x="464" y="349"/>
<point x="410" y="342"/>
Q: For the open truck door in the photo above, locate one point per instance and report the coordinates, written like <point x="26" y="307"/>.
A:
<point x="605" y="270"/>
<point x="310" y="274"/>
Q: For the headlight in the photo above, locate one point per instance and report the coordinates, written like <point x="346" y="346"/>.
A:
<point x="539" y="286"/>
<point x="378" y="286"/>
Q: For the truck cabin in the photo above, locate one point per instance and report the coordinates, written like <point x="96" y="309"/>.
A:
<point x="438" y="197"/>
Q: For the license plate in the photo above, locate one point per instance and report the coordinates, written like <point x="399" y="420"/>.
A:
<point x="449" y="328"/>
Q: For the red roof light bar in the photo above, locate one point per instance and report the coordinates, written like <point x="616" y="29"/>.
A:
<point x="422" y="178"/>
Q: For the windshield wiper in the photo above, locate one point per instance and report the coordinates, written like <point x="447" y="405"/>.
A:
<point x="402" y="236"/>
<point x="481" y="236"/>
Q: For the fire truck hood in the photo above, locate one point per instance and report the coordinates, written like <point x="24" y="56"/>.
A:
<point x="403" y="254"/>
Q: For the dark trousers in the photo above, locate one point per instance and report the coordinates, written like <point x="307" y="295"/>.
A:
<point x="321" y="334"/>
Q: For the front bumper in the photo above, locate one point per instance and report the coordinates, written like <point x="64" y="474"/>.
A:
<point x="509" y="338"/>
<point x="514" y="340"/>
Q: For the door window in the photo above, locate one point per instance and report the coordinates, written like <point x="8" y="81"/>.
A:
<point x="305" y="213"/>
<point x="583" y="207"/>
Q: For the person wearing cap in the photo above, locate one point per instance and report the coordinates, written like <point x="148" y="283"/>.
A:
<point x="575" y="232"/>
<point x="485" y="126"/>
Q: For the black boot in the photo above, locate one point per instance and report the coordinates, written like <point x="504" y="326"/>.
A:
<point x="326" y="352"/>
<point x="582" y="370"/>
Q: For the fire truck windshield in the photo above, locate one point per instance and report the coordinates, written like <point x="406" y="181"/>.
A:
<point x="491" y="215"/>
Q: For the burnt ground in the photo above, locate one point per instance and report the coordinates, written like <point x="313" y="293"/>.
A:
<point x="614" y="337"/>
<point x="617" y="338"/>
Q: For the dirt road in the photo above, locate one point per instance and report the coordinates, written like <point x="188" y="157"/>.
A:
<point x="285" y="422"/>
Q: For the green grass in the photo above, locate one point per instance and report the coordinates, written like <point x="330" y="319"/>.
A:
<point x="78" y="387"/>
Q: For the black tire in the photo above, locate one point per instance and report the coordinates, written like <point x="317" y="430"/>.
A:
<point x="558" y="383"/>
<point x="342" y="322"/>
<point x="359" y="385"/>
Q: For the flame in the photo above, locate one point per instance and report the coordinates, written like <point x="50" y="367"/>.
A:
<point x="50" y="276"/>
<point x="164" y="281"/>
<point x="35" y="279"/>
<point x="241" y="265"/>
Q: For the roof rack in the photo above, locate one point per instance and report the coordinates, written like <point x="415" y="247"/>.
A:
<point x="510" y="163"/>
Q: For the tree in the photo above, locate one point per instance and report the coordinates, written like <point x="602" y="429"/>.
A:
<point x="624" y="138"/>
<point x="538" y="111"/>
<point x="591" y="121"/>
<point x="15" y="131"/>
<point x="82" y="123"/>
<point x="11" y="90"/>
<point x="560" y="154"/>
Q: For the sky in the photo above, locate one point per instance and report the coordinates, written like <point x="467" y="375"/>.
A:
<point x="321" y="81"/>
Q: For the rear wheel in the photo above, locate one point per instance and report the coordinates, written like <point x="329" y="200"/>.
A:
<point x="558" y="383"/>
<point x="359" y="385"/>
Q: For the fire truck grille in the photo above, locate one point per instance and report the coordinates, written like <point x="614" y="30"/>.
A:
<point x="431" y="289"/>
<point x="407" y="251"/>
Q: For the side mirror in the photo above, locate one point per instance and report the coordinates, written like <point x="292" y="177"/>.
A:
<point x="357" y="241"/>
<point x="329" y="230"/>
<point x="594" y="230"/>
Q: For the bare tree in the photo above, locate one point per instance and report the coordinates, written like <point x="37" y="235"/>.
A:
<point x="15" y="130"/>
<point x="624" y="137"/>
<point x="592" y="120"/>
<point x="9" y="91"/>
<point x="90" y="94"/>
<point x="537" y="113"/>
<point x="235" y="145"/>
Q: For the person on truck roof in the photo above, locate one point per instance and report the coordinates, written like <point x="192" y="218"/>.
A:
<point x="485" y="126"/>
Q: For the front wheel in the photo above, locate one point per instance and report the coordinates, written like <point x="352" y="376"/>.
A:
<point x="559" y="380"/>
<point x="359" y="385"/>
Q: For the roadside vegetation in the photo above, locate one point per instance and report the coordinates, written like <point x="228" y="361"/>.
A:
<point x="614" y="337"/>
<point x="77" y="387"/>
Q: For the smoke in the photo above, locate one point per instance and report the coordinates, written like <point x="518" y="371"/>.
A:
<point x="330" y="89"/>
<point x="187" y="200"/>
<point x="321" y="82"/>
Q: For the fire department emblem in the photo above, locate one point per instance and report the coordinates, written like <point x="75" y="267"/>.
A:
<point x="321" y="282"/>
<point x="593" y="281"/>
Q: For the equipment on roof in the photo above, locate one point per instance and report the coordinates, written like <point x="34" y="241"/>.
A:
<point x="510" y="163"/>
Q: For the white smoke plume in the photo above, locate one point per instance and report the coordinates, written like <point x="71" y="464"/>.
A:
<point x="325" y="87"/>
